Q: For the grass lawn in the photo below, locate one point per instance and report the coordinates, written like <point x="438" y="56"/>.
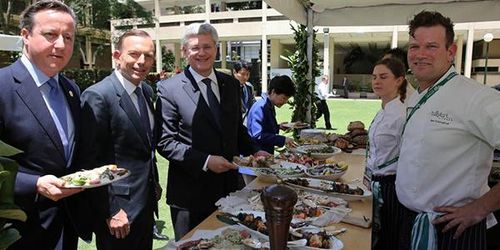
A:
<point x="342" y="111"/>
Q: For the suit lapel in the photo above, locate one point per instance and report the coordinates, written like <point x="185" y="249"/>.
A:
<point x="195" y="94"/>
<point x="32" y="97"/>
<point x="128" y="106"/>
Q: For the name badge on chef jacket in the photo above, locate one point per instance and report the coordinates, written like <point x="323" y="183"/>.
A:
<point x="367" y="178"/>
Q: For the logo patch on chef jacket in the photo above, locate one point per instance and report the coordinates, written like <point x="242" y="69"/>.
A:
<point x="441" y="117"/>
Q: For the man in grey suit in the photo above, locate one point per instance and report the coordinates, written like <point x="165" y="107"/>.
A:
<point x="200" y="114"/>
<point x="118" y="115"/>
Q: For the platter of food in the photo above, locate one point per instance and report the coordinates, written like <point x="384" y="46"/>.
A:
<point x="331" y="188"/>
<point x="283" y="169"/>
<point x="327" y="171"/>
<point x="95" y="177"/>
<point x="295" y="125"/>
<point x="255" y="221"/>
<point x="316" y="239"/>
<point x="229" y="237"/>
<point x="255" y="161"/>
<point x="318" y="152"/>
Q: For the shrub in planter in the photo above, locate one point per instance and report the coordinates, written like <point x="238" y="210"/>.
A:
<point x="8" y="210"/>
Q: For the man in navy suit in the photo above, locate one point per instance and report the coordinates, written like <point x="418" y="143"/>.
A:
<point x="118" y="116"/>
<point x="200" y="114"/>
<point x="39" y="114"/>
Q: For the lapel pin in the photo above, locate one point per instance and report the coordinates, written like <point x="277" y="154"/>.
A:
<point x="70" y="93"/>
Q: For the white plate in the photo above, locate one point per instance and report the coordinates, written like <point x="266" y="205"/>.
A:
<point x="295" y="125"/>
<point x="279" y="170"/>
<point x="335" y="243"/>
<point x="320" y="187"/>
<point x="312" y="131"/>
<point x="337" y="173"/>
<point x="318" y="156"/>
<point x="103" y="181"/>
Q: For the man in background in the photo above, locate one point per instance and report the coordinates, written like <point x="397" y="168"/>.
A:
<point x="241" y="71"/>
<point x="322" y="92"/>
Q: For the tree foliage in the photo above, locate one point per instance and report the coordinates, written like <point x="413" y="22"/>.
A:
<point x="303" y="105"/>
<point x="361" y="60"/>
<point x="98" y="13"/>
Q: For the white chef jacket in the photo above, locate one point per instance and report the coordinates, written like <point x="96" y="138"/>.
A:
<point x="385" y="137"/>
<point x="447" y="147"/>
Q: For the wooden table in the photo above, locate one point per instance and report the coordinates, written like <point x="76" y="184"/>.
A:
<point x="355" y="237"/>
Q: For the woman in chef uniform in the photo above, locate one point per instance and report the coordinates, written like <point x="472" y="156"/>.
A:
<point x="388" y="83"/>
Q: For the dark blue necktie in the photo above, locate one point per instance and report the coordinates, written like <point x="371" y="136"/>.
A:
<point x="212" y="100"/>
<point x="57" y="102"/>
<point x="143" y="110"/>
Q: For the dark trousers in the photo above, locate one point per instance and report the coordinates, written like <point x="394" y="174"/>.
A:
<point x="139" y="238"/>
<point x="185" y="220"/>
<point x="389" y="213"/>
<point x="473" y="238"/>
<point x="323" y="110"/>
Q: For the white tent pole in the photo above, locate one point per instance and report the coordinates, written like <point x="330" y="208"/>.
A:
<point x="207" y="11"/>
<point x="326" y="53"/>
<point x="394" y="37"/>
<point x="264" y="48"/>
<point x="468" y="51"/>
<point x="309" y="77"/>
<point x="458" y="56"/>
<point x="159" y="55"/>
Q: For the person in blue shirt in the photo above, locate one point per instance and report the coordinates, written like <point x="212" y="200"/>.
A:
<point x="261" y="121"/>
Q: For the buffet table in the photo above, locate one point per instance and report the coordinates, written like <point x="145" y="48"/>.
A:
<point x="355" y="237"/>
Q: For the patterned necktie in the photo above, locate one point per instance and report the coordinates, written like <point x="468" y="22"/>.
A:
<point x="143" y="110"/>
<point x="58" y="105"/>
<point x="212" y="99"/>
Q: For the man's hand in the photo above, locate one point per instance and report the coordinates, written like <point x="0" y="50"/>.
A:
<point x="53" y="188"/>
<point x="461" y="217"/>
<point x="119" y="225"/>
<point x="262" y="153"/>
<point x="219" y="164"/>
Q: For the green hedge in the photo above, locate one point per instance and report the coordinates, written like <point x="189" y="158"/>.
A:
<point x="86" y="77"/>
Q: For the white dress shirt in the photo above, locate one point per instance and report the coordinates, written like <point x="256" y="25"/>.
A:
<point x="130" y="88"/>
<point x="40" y="80"/>
<point x="447" y="147"/>
<point x="322" y="90"/>
<point x="385" y="137"/>
<point x="203" y="89"/>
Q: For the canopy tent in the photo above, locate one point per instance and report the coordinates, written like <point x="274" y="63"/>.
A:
<point x="383" y="12"/>
<point x="379" y="12"/>
<point x="10" y="43"/>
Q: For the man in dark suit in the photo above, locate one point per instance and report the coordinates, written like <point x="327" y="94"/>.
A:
<point x="118" y="116"/>
<point x="39" y="114"/>
<point x="241" y="71"/>
<point x="202" y="130"/>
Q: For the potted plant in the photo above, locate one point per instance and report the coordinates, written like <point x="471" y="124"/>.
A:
<point x="8" y="210"/>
